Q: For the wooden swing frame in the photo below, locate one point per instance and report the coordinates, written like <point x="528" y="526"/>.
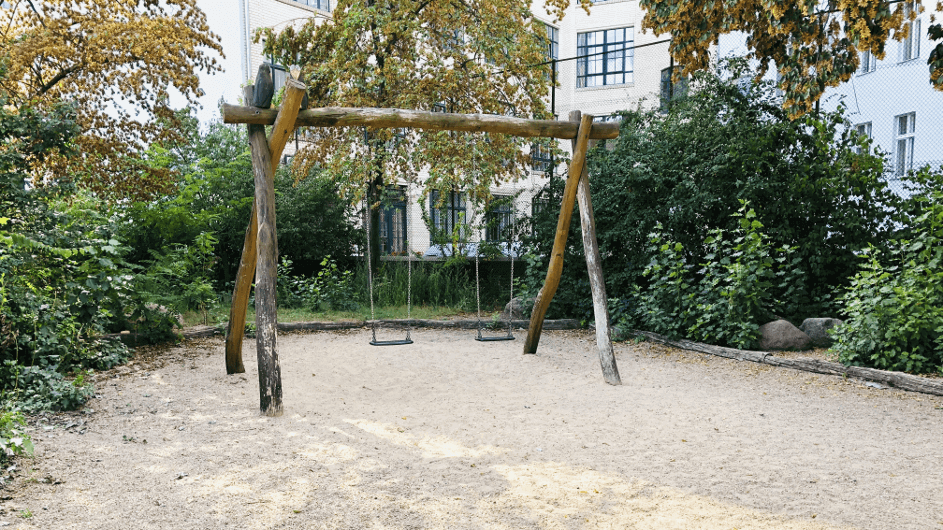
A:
<point x="260" y="247"/>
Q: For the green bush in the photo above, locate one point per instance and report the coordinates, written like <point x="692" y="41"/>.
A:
<point x="13" y="438"/>
<point x="812" y="184"/>
<point x="742" y="285"/>
<point x="893" y="308"/>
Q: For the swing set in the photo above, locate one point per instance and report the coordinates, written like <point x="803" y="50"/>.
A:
<point x="260" y="247"/>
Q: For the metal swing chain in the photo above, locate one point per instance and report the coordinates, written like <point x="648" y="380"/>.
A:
<point x="409" y="262"/>
<point x="511" y="253"/>
<point x="373" y="317"/>
<point x="477" y="251"/>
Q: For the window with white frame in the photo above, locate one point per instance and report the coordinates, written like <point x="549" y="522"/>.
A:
<point x="863" y="131"/>
<point x="868" y="62"/>
<point x="323" y="5"/>
<point x="904" y="128"/>
<point x="910" y="47"/>
<point x="605" y="57"/>
<point x="540" y="157"/>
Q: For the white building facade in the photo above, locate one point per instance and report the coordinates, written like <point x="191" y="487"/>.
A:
<point x="891" y="100"/>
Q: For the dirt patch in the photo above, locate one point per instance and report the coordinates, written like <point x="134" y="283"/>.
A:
<point x="453" y="433"/>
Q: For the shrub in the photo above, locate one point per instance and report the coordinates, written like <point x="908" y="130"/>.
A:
<point x="687" y="169"/>
<point x="743" y="283"/>
<point x="893" y="308"/>
<point x="13" y="438"/>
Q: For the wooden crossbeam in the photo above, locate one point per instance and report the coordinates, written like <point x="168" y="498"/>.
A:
<point x="417" y="119"/>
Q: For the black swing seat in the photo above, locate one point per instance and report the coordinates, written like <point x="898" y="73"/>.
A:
<point x="493" y="338"/>
<point x="401" y="342"/>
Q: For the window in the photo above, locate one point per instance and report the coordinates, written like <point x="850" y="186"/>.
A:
<point x="553" y="44"/>
<point x="868" y="62"/>
<point x="904" y="145"/>
<point x="279" y="76"/>
<point x="605" y="57"/>
<point x="499" y="220"/>
<point x="323" y="5"/>
<point x="671" y="91"/>
<point x="393" y="227"/>
<point x="447" y="214"/>
<point x="864" y="131"/>
<point x="910" y="47"/>
<point x="540" y="157"/>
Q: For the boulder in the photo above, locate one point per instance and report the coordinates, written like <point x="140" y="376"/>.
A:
<point x="781" y="335"/>
<point x="817" y="330"/>
<point x="518" y="308"/>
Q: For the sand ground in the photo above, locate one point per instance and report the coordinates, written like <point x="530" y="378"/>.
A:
<point x="453" y="433"/>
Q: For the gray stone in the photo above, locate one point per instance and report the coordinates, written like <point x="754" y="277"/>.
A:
<point x="518" y="308"/>
<point x="817" y="330"/>
<point x="781" y="335"/>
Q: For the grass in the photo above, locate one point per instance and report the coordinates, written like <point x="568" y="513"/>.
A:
<point x="220" y="314"/>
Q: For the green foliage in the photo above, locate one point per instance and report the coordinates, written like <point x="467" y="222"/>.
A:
<point x="13" y="438"/>
<point x="214" y="195"/>
<point x="36" y="389"/>
<point x="893" y="308"/>
<point x="177" y="278"/>
<point x="689" y="169"/>
<point x="331" y="289"/>
<point x="742" y="284"/>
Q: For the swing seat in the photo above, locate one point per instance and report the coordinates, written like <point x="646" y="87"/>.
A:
<point x="493" y="338"/>
<point x="401" y="342"/>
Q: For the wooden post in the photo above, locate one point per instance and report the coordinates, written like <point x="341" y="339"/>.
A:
<point x="559" y="242"/>
<point x="266" y="318"/>
<point x="607" y="359"/>
<point x="281" y="131"/>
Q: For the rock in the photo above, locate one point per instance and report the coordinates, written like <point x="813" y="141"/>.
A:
<point x="621" y="334"/>
<point x="518" y="308"/>
<point x="817" y="330"/>
<point x="781" y="335"/>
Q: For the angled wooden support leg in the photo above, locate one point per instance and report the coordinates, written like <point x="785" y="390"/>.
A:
<point x="281" y="132"/>
<point x="607" y="358"/>
<point x="559" y="242"/>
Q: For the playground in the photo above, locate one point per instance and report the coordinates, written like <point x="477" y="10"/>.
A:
<point x="452" y="433"/>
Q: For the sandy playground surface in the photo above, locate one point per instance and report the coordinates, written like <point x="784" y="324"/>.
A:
<point x="453" y="433"/>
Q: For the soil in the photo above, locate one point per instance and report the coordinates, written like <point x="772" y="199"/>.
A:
<point x="400" y="437"/>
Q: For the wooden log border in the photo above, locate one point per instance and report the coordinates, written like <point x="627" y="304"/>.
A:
<point x="899" y="380"/>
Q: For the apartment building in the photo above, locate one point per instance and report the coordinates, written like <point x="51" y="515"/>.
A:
<point x="889" y="100"/>
<point x="605" y="63"/>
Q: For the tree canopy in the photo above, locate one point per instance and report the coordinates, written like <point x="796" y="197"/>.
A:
<point x="117" y="64"/>
<point x="446" y="55"/>
<point x="814" y="44"/>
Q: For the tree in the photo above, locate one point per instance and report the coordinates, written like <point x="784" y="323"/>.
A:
<point x="116" y="63"/>
<point x="814" y="44"/>
<point x="449" y="55"/>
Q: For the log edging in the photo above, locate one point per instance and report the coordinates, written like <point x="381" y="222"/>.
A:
<point x="202" y="332"/>
<point x="899" y="380"/>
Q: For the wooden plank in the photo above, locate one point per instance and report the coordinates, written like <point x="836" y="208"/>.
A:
<point x="282" y="131"/>
<point x="559" y="242"/>
<point x="900" y="380"/>
<point x="417" y="119"/>
<point x="597" y="283"/>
